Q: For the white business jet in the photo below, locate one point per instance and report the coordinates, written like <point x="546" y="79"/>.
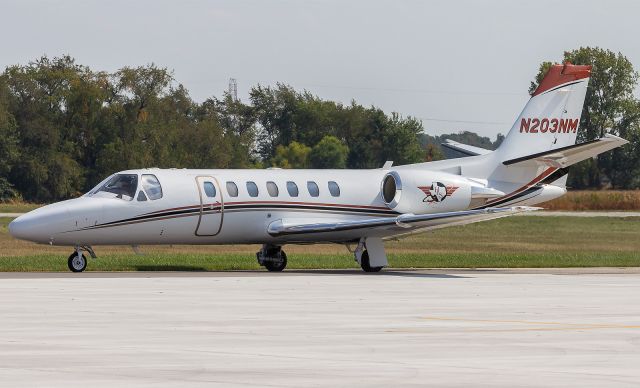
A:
<point x="358" y="208"/>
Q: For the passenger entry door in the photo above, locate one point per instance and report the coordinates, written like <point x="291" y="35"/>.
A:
<point x="211" y="206"/>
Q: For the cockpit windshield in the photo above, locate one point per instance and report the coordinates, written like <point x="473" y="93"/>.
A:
<point x="121" y="185"/>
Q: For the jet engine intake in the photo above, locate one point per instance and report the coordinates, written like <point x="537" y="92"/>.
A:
<point x="391" y="189"/>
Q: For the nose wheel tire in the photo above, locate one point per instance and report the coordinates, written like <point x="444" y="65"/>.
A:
<point x="277" y="265"/>
<point x="77" y="263"/>
<point x="366" y="266"/>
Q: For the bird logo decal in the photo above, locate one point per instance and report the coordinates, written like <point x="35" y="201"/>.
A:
<point x="437" y="192"/>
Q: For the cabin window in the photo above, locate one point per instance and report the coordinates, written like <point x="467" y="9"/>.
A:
<point x="272" y="188"/>
<point x="141" y="196"/>
<point x="123" y="186"/>
<point x="151" y="186"/>
<point x="209" y="189"/>
<point x="232" y="189"/>
<point x="292" y="188"/>
<point x="314" y="191"/>
<point x="334" y="189"/>
<point x="252" y="189"/>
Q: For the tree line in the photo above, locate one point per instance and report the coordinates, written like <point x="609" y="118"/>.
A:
<point x="64" y="127"/>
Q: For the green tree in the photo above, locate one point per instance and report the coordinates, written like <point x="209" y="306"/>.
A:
<point x="9" y="152"/>
<point x="238" y="122"/>
<point x="329" y="153"/>
<point x="294" y="155"/>
<point x="433" y="153"/>
<point x="8" y="136"/>
<point x="274" y="111"/>
<point x="400" y="141"/>
<point x="42" y="102"/>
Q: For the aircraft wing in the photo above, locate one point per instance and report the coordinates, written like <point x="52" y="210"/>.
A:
<point x="464" y="148"/>
<point x="566" y="156"/>
<point x="405" y="223"/>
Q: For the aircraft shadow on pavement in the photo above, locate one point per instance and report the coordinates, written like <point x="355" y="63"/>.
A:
<point x="170" y="267"/>
<point x="344" y="272"/>
<point x="411" y="274"/>
<point x="357" y="272"/>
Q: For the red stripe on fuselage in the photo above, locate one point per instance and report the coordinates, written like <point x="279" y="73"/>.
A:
<point x="276" y="203"/>
<point x="307" y="203"/>
<point x="535" y="180"/>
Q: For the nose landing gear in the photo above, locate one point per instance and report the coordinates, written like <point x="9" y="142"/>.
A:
<point x="272" y="257"/>
<point x="77" y="262"/>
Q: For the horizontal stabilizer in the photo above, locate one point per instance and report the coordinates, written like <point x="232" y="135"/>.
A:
<point x="402" y="222"/>
<point x="465" y="149"/>
<point x="566" y="156"/>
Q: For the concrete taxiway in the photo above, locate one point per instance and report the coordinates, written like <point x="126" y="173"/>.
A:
<point x="322" y="328"/>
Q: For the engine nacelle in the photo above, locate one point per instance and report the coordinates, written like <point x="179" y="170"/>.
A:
<point x="420" y="192"/>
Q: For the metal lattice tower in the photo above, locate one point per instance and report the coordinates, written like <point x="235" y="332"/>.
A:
<point x="233" y="89"/>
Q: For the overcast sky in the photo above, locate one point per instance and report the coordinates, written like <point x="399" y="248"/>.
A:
<point x="457" y="65"/>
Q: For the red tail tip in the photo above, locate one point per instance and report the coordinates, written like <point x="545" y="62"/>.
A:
<point x="562" y="74"/>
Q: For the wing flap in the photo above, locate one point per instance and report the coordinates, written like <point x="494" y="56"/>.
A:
<point x="402" y="222"/>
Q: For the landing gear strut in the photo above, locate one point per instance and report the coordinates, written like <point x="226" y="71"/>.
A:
<point x="77" y="262"/>
<point x="272" y="257"/>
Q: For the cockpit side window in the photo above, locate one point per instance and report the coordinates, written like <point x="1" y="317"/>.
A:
<point x="122" y="185"/>
<point x="151" y="186"/>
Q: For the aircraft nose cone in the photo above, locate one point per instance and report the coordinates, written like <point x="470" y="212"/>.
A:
<point x="38" y="225"/>
<point x="17" y="228"/>
<point x="27" y="227"/>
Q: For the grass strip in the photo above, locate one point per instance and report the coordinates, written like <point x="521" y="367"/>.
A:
<point x="217" y="262"/>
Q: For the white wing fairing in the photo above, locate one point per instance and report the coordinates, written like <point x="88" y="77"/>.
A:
<point x="392" y="226"/>
<point x="274" y="207"/>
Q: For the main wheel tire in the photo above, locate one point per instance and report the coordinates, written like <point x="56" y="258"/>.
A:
<point x="77" y="263"/>
<point x="277" y="266"/>
<point x="364" y="263"/>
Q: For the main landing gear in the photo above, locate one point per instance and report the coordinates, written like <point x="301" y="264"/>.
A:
<point x="272" y="257"/>
<point x="361" y="254"/>
<point x="365" y="263"/>
<point x="77" y="262"/>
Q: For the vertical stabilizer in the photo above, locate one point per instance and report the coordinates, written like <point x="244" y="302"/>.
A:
<point x="549" y="121"/>
<point x="551" y="118"/>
